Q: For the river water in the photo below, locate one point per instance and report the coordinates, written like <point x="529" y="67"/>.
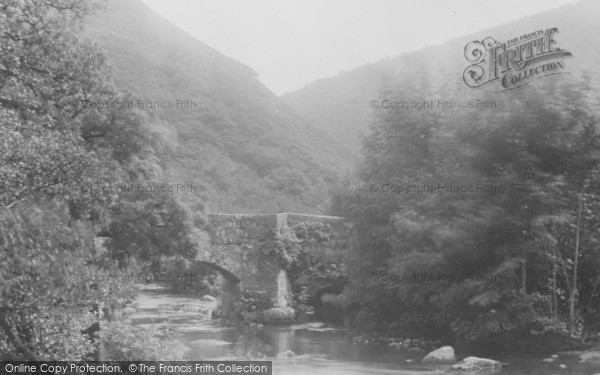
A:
<point x="317" y="348"/>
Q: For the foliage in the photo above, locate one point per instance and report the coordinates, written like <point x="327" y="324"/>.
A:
<point x="288" y="244"/>
<point x="61" y="160"/>
<point x="240" y="145"/>
<point x="256" y="300"/>
<point x="49" y="292"/>
<point x="150" y="227"/>
<point x="124" y="342"/>
<point x="540" y="152"/>
<point x="283" y="245"/>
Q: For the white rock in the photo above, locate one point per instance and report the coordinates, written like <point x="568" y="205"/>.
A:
<point x="279" y="315"/>
<point x="476" y="363"/>
<point x="445" y="354"/>
<point x="590" y="357"/>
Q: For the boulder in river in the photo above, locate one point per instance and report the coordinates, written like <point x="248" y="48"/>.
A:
<point x="208" y="298"/>
<point x="445" y="354"/>
<point x="278" y="315"/>
<point x="217" y="312"/>
<point x="476" y="363"/>
<point x="592" y="356"/>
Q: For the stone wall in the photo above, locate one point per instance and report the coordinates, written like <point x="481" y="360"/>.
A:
<point x="235" y="246"/>
<point x="333" y="251"/>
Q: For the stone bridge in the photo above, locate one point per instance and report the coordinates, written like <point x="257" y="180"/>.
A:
<point x="235" y="250"/>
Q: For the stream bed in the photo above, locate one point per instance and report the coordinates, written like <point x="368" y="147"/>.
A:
<point x="312" y="348"/>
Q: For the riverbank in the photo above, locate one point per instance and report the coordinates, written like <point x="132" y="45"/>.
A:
<point x="310" y="348"/>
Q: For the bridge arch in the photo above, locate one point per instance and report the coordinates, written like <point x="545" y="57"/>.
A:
<point x="227" y="275"/>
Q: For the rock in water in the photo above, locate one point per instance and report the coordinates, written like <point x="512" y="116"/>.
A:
<point x="445" y="354"/>
<point x="208" y="298"/>
<point x="475" y="363"/>
<point x="217" y="312"/>
<point x="279" y="315"/>
<point x="590" y="357"/>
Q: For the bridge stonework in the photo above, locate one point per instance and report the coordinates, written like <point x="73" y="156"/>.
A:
<point x="235" y="241"/>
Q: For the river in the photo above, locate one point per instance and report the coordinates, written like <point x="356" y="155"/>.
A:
<point x="317" y="348"/>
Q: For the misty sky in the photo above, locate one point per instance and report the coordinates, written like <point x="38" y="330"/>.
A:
<point x="291" y="43"/>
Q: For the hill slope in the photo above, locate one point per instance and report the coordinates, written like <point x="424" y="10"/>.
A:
<point x="241" y="146"/>
<point x="340" y="105"/>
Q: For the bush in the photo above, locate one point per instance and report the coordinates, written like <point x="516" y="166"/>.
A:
<point x="125" y="342"/>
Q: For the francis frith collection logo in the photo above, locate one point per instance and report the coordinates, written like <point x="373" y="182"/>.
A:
<point x="516" y="62"/>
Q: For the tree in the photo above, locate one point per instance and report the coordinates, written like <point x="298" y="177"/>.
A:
<point x="148" y="229"/>
<point x="61" y="160"/>
<point x="50" y="288"/>
<point x="540" y="154"/>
